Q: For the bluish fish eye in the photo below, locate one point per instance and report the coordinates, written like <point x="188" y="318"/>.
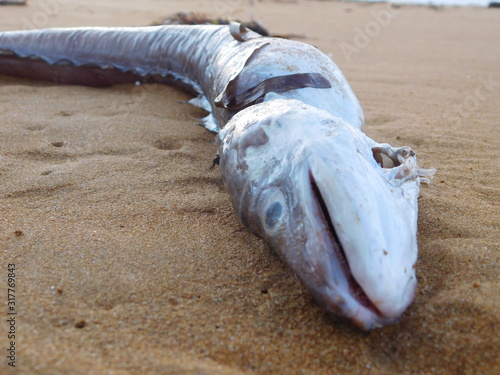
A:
<point x="273" y="214"/>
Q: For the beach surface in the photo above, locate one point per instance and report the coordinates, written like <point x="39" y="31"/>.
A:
<point x="128" y="255"/>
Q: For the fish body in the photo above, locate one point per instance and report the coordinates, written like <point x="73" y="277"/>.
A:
<point x="206" y="60"/>
<point x="339" y="208"/>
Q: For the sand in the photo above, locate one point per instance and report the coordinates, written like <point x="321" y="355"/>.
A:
<point x="129" y="257"/>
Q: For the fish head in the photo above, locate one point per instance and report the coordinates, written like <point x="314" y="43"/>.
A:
<point x="310" y="185"/>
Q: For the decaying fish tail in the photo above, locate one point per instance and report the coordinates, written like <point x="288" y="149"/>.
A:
<point x="339" y="208"/>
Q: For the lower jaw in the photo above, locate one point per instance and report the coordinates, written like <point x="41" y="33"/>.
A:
<point x="360" y="315"/>
<point x="367" y="320"/>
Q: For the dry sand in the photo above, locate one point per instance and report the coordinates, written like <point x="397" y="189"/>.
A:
<point x="122" y="229"/>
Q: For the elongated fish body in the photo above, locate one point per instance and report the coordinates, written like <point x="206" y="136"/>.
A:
<point x="338" y="207"/>
<point x="206" y="59"/>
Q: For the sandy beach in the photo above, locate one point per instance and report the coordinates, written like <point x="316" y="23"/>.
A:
<point x="129" y="258"/>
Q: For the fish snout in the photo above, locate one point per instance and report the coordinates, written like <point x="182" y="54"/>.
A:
<point x="373" y="226"/>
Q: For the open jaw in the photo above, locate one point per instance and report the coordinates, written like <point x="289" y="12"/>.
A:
<point x="359" y="308"/>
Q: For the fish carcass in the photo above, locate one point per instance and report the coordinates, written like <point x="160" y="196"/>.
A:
<point x="339" y="208"/>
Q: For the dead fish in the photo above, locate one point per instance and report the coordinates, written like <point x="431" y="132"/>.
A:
<point x="339" y="208"/>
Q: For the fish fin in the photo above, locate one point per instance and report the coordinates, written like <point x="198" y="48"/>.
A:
<point x="64" y="72"/>
<point x="209" y="122"/>
<point x="199" y="101"/>
<point x="234" y="100"/>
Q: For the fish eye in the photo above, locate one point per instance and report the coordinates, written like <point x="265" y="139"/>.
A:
<point x="272" y="210"/>
<point x="273" y="214"/>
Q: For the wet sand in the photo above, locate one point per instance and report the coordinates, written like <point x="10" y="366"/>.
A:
<point x="130" y="259"/>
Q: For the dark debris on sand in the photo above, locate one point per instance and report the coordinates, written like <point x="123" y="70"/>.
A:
<point x="191" y="18"/>
<point x="12" y="2"/>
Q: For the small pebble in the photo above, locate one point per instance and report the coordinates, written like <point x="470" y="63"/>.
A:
<point x="80" y="323"/>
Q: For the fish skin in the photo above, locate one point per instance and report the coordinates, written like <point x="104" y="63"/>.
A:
<point x="207" y="59"/>
<point x="300" y="172"/>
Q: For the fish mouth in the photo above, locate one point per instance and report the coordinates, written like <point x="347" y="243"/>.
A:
<point x="366" y="315"/>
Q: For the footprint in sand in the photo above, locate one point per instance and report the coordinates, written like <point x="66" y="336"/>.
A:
<point x="167" y="143"/>
<point x="34" y="127"/>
